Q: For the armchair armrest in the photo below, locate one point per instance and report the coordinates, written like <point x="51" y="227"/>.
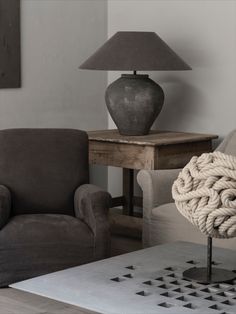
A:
<point x="5" y="205"/>
<point x="156" y="186"/>
<point x="227" y="143"/>
<point x="91" y="205"/>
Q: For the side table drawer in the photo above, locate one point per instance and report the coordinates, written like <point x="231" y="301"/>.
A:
<point x="121" y="155"/>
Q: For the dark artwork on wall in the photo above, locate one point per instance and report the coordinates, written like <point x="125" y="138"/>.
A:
<point x="10" y="59"/>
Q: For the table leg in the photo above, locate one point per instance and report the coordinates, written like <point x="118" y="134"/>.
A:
<point x="128" y="191"/>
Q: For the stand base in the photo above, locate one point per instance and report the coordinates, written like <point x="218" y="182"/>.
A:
<point x="218" y="275"/>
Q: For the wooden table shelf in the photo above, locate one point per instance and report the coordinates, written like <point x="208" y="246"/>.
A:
<point x="157" y="150"/>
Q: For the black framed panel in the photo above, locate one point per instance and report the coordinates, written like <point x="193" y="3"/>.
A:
<point x="10" y="56"/>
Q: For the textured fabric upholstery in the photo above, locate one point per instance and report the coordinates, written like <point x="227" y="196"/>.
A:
<point x="156" y="186"/>
<point x="42" y="168"/>
<point x="47" y="220"/>
<point x="5" y="205"/>
<point x="161" y="220"/>
<point x="168" y="225"/>
<point x="91" y="206"/>
<point x="32" y="245"/>
<point x="228" y="145"/>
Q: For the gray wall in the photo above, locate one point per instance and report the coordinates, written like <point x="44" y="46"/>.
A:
<point x="56" y="37"/>
<point x="203" y="33"/>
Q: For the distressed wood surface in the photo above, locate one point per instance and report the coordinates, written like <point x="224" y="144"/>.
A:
<point x="10" y="57"/>
<point x="178" y="155"/>
<point x="157" y="150"/>
<point x="128" y="191"/>
<point x="14" y="301"/>
<point x="155" y="138"/>
<point x="121" y="155"/>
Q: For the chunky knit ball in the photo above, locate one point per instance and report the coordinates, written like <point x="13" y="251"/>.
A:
<point x="205" y="194"/>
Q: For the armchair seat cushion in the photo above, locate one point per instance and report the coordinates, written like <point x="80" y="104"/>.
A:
<point x="32" y="245"/>
<point x="166" y="224"/>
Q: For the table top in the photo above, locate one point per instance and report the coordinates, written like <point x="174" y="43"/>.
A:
<point x="143" y="282"/>
<point x="154" y="138"/>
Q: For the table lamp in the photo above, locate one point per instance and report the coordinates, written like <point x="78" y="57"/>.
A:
<point x="134" y="100"/>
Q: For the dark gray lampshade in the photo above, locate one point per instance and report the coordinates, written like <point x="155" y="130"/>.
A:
<point x="130" y="51"/>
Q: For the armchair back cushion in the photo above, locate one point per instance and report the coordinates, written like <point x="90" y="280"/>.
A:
<point x="42" y="168"/>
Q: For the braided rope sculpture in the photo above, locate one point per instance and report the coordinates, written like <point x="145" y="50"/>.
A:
<point x="205" y="194"/>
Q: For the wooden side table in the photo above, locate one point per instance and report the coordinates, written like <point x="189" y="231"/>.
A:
<point x="157" y="150"/>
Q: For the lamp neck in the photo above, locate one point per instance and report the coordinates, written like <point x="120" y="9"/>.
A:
<point x="135" y="76"/>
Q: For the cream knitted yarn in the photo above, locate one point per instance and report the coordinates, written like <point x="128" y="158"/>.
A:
<point x="205" y="193"/>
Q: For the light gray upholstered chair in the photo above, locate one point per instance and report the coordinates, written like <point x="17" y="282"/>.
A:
<point x="162" y="222"/>
<point x="50" y="217"/>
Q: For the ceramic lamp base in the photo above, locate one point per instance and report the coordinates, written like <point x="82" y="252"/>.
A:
<point x="134" y="102"/>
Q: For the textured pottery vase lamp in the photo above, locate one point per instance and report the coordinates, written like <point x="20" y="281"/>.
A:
<point x="134" y="100"/>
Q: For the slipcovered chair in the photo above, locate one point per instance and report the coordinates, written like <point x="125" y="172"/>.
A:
<point x="162" y="222"/>
<point x="50" y="217"/>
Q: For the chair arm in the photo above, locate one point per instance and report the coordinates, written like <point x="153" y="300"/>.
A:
<point x="229" y="139"/>
<point x="5" y="205"/>
<point x="156" y="186"/>
<point x="91" y="205"/>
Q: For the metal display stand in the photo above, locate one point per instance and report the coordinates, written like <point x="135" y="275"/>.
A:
<point x="209" y="274"/>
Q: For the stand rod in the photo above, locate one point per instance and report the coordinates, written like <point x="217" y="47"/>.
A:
<point x="208" y="274"/>
<point x="209" y="258"/>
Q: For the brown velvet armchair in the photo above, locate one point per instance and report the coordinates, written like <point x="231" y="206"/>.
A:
<point x="50" y="217"/>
